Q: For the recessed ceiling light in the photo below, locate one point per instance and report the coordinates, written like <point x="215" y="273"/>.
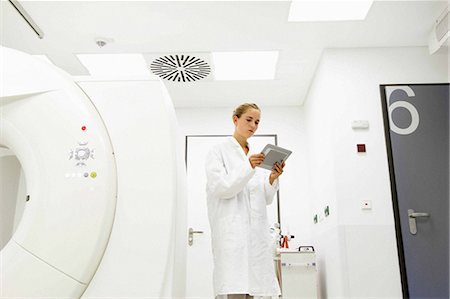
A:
<point x="259" y="65"/>
<point x="114" y="64"/>
<point x="328" y="10"/>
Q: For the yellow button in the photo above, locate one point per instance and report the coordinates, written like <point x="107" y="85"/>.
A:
<point x="93" y="174"/>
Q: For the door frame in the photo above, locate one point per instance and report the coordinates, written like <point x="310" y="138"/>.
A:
<point x="398" y="230"/>
<point x="228" y="135"/>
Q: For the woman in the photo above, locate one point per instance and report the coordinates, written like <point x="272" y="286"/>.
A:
<point x="238" y="193"/>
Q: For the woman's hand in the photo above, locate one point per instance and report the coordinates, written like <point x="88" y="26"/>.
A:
<point x="256" y="160"/>
<point x="277" y="170"/>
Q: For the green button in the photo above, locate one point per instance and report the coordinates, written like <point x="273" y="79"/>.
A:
<point x="93" y="174"/>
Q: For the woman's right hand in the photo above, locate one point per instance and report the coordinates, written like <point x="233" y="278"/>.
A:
<point x="256" y="160"/>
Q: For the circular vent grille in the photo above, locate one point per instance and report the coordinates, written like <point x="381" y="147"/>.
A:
<point x="179" y="68"/>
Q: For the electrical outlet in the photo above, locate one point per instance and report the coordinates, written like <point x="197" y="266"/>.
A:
<point x="326" y="211"/>
<point x="366" y="205"/>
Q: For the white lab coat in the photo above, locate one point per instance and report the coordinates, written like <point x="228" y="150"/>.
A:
<point x="237" y="198"/>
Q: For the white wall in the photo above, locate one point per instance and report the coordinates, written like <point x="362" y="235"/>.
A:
<point x="287" y="123"/>
<point x="356" y="248"/>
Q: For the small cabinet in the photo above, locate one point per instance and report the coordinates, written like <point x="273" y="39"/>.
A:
<point x="298" y="277"/>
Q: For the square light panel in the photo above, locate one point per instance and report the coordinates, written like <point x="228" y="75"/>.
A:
<point x="123" y="65"/>
<point x="258" y="65"/>
<point x="328" y="10"/>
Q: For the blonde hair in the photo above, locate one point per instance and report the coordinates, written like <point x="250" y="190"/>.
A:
<point x="241" y="109"/>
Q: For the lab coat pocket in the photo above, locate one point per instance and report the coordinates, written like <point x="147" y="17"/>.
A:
<point x="232" y="234"/>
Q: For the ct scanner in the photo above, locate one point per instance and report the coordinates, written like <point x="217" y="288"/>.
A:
<point x="79" y="231"/>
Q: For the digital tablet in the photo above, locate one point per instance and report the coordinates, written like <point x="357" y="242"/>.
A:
<point x="272" y="155"/>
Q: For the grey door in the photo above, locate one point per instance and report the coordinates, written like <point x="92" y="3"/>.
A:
<point x="417" y="135"/>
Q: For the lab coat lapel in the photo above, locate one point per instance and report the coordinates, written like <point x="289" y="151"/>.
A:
<point x="238" y="147"/>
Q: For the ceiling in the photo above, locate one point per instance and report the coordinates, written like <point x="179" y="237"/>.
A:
<point x="198" y="28"/>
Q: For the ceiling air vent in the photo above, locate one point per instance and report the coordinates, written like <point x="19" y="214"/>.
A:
<point x="440" y="32"/>
<point x="180" y="68"/>
<point x="442" y="26"/>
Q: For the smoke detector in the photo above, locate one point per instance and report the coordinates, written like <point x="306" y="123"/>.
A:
<point x="103" y="41"/>
<point x="180" y="68"/>
<point x="100" y="43"/>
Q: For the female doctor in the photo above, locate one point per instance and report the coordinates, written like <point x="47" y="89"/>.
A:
<point x="237" y="195"/>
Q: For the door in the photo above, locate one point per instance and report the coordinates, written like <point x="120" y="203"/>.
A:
<point x="199" y="256"/>
<point x="417" y="136"/>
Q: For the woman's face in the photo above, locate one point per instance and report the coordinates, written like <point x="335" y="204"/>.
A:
<point x="248" y="123"/>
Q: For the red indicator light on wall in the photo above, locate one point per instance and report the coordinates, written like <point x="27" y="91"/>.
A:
<point x="83" y="128"/>
<point x="361" y="148"/>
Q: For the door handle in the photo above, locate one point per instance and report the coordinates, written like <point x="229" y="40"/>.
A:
<point x="412" y="220"/>
<point x="191" y="235"/>
<point x="416" y="215"/>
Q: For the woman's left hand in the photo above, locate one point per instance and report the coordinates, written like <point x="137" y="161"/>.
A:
<point x="277" y="170"/>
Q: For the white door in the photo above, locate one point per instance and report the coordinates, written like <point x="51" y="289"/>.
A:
<point x="199" y="257"/>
